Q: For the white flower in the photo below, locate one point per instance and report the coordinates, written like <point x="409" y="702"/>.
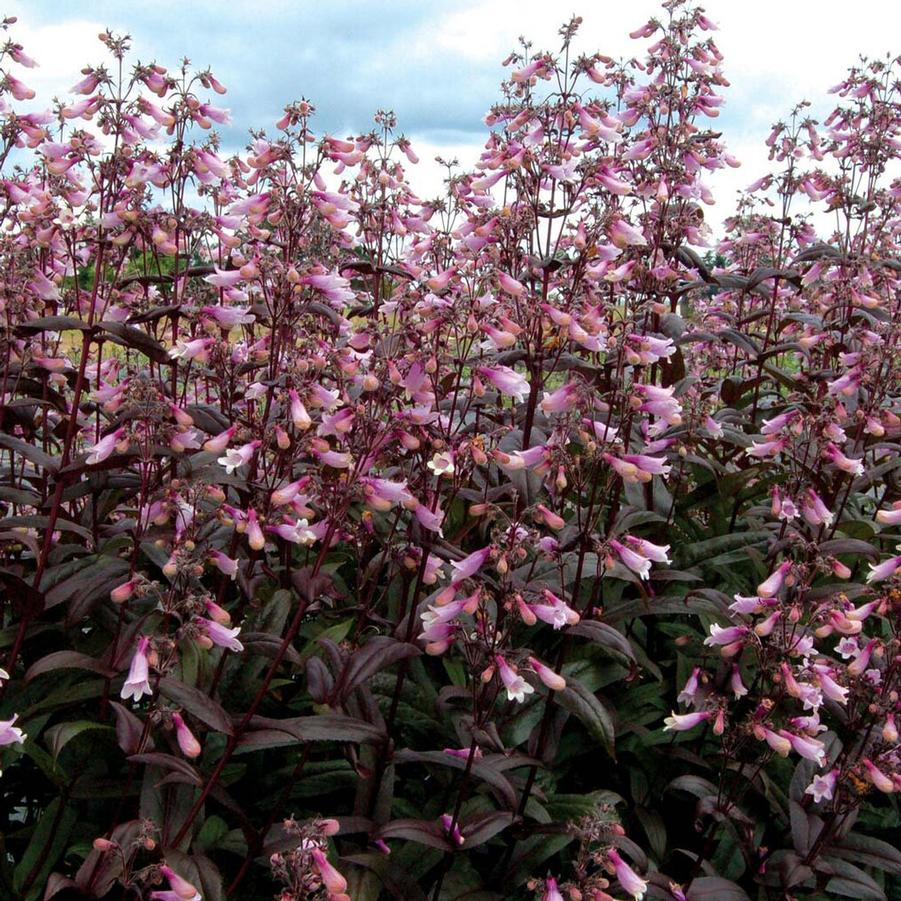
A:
<point x="442" y="464"/>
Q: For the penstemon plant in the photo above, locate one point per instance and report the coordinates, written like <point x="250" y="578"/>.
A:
<point x="531" y="541"/>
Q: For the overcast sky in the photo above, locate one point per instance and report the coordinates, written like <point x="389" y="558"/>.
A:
<point x="437" y="64"/>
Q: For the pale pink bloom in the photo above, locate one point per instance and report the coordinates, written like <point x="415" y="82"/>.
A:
<point x="331" y="878"/>
<point x="224" y="278"/>
<point x="335" y="459"/>
<point x="631" y="882"/>
<point x="297" y="532"/>
<point x="287" y="493"/>
<point x="514" y="461"/>
<point x="808" y="748"/>
<point x="237" y="457"/>
<point x="830" y="688"/>
<point x="647" y="349"/>
<point x="766" y="448"/>
<point x="747" y="605"/>
<point x="508" y="381"/>
<point x="656" y="552"/>
<point x="11" y="734"/>
<point x="334" y="287"/>
<point x="195" y="349"/>
<point x="498" y="338"/>
<point x="182" y="888"/>
<point x="137" y="684"/>
<point x="890" y="517"/>
<point x="470" y="565"/>
<point x="219" y="634"/>
<point x="299" y="415"/>
<point x="681" y="722"/>
<point x="846" y="464"/>
<point x="552" y="680"/>
<point x="517" y="687"/>
<point x="429" y="519"/>
<point x="601" y="430"/>
<point x="623" y="235"/>
<point x="739" y="690"/>
<point x="382" y="494"/>
<point x="779" y="743"/>
<point x="551" y="519"/>
<point x="189" y="745"/>
<point x="636" y="562"/>
<point x="121" y="593"/>
<point x="104" y="447"/>
<point x="220" y="442"/>
<point x="814" y="510"/>
<point x="822" y="787"/>
<point x="860" y="663"/>
<point x="561" y="400"/>
<point x="551" y="892"/>
<point x="725" y="635"/>
<point x="229" y="317"/>
<point x="556" y="612"/>
<point x="770" y="586"/>
<point x="765" y="627"/>
<point x="883" y="570"/>
<point x="779" y="422"/>
<point x="87" y="85"/>
<point x="877" y="777"/>
<point x="537" y="68"/>
<point x="442" y="464"/>
<point x="689" y="692"/>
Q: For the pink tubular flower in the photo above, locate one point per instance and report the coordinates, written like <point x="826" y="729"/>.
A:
<point x="11" y="734"/>
<point x="121" y="593"/>
<point x="631" y="882"/>
<point x="623" y="235"/>
<point x="221" y="441"/>
<point x="877" y="777"/>
<point x="770" y="587"/>
<point x="137" y="683"/>
<point x="255" y="537"/>
<point x="682" y="722"/>
<point x="883" y="570"/>
<point x="690" y="690"/>
<point x="104" y="447"/>
<point x="656" y="552"/>
<point x="188" y="744"/>
<point x="470" y="565"/>
<point x="739" y="689"/>
<point x="556" y="612"/>
<point x="551" y="892"/>
<point x="890" y="517"/>
<point x="517" y="687"/>
<point x="846" y="464"/>
<point x="508" y="381"/>
<point x="551" y="519"/>
<point x="331" y="878"/>
<point x="822" y="787"/>
<point x="552" y="680"/>
<point x="180" y="886"/>
<point x="236" y="457"/>
<point x="809" y="748"/>
<point x="561" y="400"/>
<point x="636" y="562"/>
<point x="224" y="564"/>
<point x="219" y="634"/>
<point x="778" y="742"/>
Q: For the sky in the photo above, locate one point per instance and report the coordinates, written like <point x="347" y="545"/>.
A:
<point x="437" y="64"/>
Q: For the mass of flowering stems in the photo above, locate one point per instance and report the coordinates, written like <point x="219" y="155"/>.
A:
<point x="540" y="540"/>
